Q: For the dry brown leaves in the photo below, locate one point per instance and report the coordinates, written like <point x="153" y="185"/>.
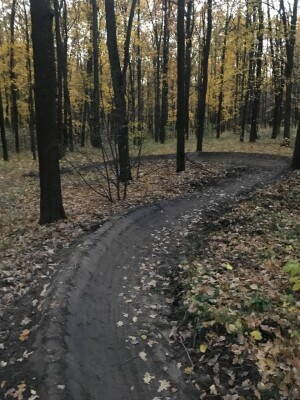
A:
<point x="241" y="300"/>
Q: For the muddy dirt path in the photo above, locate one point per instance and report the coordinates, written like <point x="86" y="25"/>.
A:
<point x="105" y="332"/>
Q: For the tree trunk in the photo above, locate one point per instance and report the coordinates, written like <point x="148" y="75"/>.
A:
<point x="59" y="67"/>
<point x="68" y="120"/>
<point x="223" y="59"/>
<point x="188" y="63"/>
<point x="95" y="106"/>
<point x="202" y="90"/>
<point x="250" y="82"/>
<point x="12" y="74"/>
<point x="30" y="88"/>
<point x="180" y="122"/>
<point x="139" y="75"/>
<point x="290" y="38"/>
<point x="157" y="96"/>
<point x="51" y="206"/>
<point x="296" y="156"/>
<point x="2" y="131"/>
<point x="258" y="78"/>
<point x="119" y="87"/>
<point x="165" y="67"/>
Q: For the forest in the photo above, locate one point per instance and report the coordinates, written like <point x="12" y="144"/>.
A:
<point x="149" y="199"/>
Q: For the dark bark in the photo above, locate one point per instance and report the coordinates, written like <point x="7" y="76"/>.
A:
<point x="296" y="156"/>
<point x="188" y="62"/>
<point x="222" y="70"/>
<point x="83" y="124"/>
<point x="68" y="119"/>
<point x="127" y="40"/>
<point x="180" y="121"/>
<point x="13" y="87"/>
<point x="30" y="98"/>
<point x="119" y="87"/>
<point x="203" y="82"/>
<point x="290" y="39"/>
<point x="139" y="75"/>
<point x="165" y="67"/>
<point x="59" y="68"/>
<point x="238" y="78"/>
<point x="275" y="51"/>
<point x="157" y="41"/>
<point x="51" y="206"/>
<point x="95" y="101"/>
<point x="2" y="131"/>
<point x="250" y="79"/>
<point x="258" y="77"/>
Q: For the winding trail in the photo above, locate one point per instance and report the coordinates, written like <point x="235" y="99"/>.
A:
<point x="102" y="304"/>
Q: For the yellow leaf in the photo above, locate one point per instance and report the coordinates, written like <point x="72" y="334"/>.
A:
<point x="256" y="335"/>
<point x="203" y="347"/>
<point x="231" y="328"/>
<point x="254" y="286"/>
<point x="24" y="335"/>
<point x="228" y="266"/>
<point x="188" y="370"/>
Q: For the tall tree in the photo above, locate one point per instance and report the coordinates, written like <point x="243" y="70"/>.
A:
<point x="190" y="16"/>
<point x="2" y="131"/>
<point x="30" y="87"/>
<point x="51" y="205"/>
<point x="95" y="106"/>
<point x="296" y="156"/>
<point x="68" y="121"/>
<point x="277" y="75"/>
<point x="258" y="75"/>
<point x="250" y="18"/>
<point x="119" y="84"/>
<point x="180" y="121"/>
<point x="165" y="67"/>
<point x="12" y="73"/>
<point x="222" y="71"/>
<point x="290" y="39"/>
<point x="59" y="68"/>
<point x="139" y="74"/>
<point x="203" y="80"/>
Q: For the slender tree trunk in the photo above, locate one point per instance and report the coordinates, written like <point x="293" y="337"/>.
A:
<point x="188" y="63"/>
<point x="30" y="88"/>
<point x="296" y="156"/>
<point x="95" y="106"/>
<point x="51" y="206"/>
<point x="59" y="67"/>
<point x="2" y="131"/>
<point x="202" y="90"/>
<point x="165" y="67"/>
<point x="139" y="76"/>
<point x="68" y="120"/>
<point x="250" y="80"/>
<point x="12" y="74"/>
<point x="223" y="59"/>
<point x="258" y="78"/>
<point x="119" y="87"/>
<point x="180" y="122"/>
<point x="290" y="38"/>
<point x="157" y="96"/>
<point x="83" y="124"/>
<point x="276" y="75"/>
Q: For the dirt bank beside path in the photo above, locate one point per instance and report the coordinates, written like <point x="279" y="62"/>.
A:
<point x="105" y="332"/>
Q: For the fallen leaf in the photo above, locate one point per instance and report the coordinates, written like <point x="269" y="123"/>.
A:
<point x="256" y="335"/>
<point x="163" y="385"/>
<point x="148" y="378"/>
<point x="203" y="347"/>
<point x="24" y="335"/>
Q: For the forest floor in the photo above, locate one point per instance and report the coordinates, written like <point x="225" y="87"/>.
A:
<point x="31" y="259"/>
